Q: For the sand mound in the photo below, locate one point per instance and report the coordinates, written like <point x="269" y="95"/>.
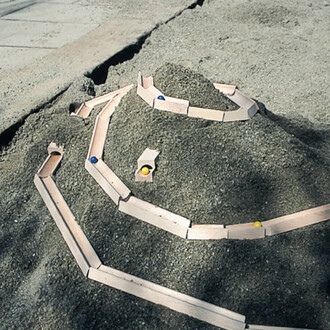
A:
<point x="177" y="81"/>
<point x="209" y="172"/>
<point x="213" y="172"/>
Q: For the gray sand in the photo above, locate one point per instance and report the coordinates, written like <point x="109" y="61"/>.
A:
<point x="275" y="164"/>
<point x="214" y="172"/>
<point x="256" y="170"/>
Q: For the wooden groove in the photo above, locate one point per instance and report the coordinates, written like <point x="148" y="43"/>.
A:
<point x="54" y="158"/>
<point x="207" y="232"/>
<point x="61" y="212"/>
<point x="240" y="114"/>
<point x="245" y="231"/>
<point x="208" y="114"/>
<point x="172" y="104"/>
<point x="108" y="110"/>
<point x="102" y="123"/>
<point x="67" y="235"/>
<point x="169" y="298"/>
<point x="297" y="220"/>
<point x="241" y="100"/>
<point x="225" y="89"/>
<point x="69" y="219"/>
<point x="86" y="107"/>
<point x="108" y="181"/>
<point x="98" y="139"/>
<point x="100" y="100"/>
<point x="146" y="95"/>
<point x="50" y="164"/>
<point x="92" y="268"/>
<point x="100" y="132"/>
<point x="83" y="111"/>
<point x="156" y="216"/>
<point x="147" y="158"/>
<point x="176" y="294"/>
<point x="110" y="107"/>
<point x="113" y="180"/>
<point x="107" y="97"/>
<point x="149" y="94"/>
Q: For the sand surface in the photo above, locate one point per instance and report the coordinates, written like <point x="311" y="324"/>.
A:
<point x="275" y="164"/>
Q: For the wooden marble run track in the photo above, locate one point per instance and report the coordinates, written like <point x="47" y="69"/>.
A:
<point x="122" y="196"/>
<point x="164" y="219"/>
<point x="156" y="99"/>
<point x="92" y="267"/>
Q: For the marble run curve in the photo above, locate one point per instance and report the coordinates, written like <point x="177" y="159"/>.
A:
<point x="86" y="257"/>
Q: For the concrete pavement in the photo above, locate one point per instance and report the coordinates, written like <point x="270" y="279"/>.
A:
<point x="30" y="30"/>
<point x="44" y="45"/>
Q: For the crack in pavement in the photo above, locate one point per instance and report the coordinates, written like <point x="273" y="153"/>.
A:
<point x="61" y="59"/>
<point x="100" y="73"/>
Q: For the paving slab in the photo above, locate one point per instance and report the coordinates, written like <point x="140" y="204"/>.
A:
<point x="41" y="34"/>
<point x="63" y="12"/>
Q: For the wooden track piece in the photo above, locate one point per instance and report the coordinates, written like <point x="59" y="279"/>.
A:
<point x="148" y="84"/>
<point x="145" y="82"/>
<point x="110" y="107"/>
<point x="146" y="95"/>
<point x="242" y="100"/>
<point x="108" y="180"/>
<point x="172" y="104"/>
<point x="207" y="232"/>
<point x="225" y="89"/>
<point x="53" y="148"/>
<point x="112" y="178"/>
<point x="146" y="89"/>
<point x="297" y="220"/>
<point x="147" y="158"/>
<point x="207" y="114"/>
<point x="240" y="114"/>
<point x="139" y="177"/>
<point x="101" y="99"/>
<point x="154" y="91"/>
<point x="169" y="298"/>
<point x="67" y="235"/>
<point x="102" y="123"/>
<point x="107" y="97"/>
<point x="176" y="294"/>
<point x="101" y="127"/>
<point x="49" y="166"/>
<point x="83" y="111"/>
<point x="79" y="236"/>
<point x="98" y="138"/>
<point x="156" y="216"/>
<point x="149" y="94"/>
<point x="55" y="155"/>
<point x="245" y="231"/>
